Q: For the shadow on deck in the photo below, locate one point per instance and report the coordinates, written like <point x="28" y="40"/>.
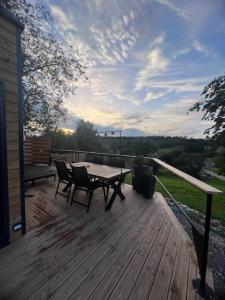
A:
<point x="137" y="250"/>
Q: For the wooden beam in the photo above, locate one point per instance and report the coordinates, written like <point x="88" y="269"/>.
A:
<point x="202" y="186"/>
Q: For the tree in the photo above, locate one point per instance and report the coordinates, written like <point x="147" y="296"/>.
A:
<point x="219" y="160"/>
<point x="190" y="163"/>
<point x="51" y="68"/>
<point x="62" y="140"/>
<point x="213" y="106"/>
<point x="87" y="139"/>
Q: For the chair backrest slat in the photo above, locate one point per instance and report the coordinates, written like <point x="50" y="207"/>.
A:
<point x="80" y="176"/>
<point x="62" y="170"/>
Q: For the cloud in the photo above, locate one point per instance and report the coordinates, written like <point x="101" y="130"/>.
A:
<point x="154" y="95"/>
<point x="106" y="86"/>
<point x="156" y="63"/>
<point x="64" y="20"/>
<point x="99" y="116"/>
<point x="200" y="47"/>
<point x="111" y="45"/>
<point x="159" y="40"/>
<point x="107" y="41"/>
<point x="193" y="84"/>
<point x="165" y="121"/>
<point x="132" y="15"/>
<point x="144" y="71"/>
<point x="98" y="3"/>
<point x="177" y="10"/>
<point x="181" y="52"/>
<point x="181" y="105"/>
<point x="126" y="19"/>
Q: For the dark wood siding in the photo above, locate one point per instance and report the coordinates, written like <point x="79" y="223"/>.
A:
<point x="9" y="75"/>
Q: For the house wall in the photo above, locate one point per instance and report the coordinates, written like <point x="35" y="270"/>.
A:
<point x="10" y="75"/>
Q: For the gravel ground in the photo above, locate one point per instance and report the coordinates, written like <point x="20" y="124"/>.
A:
<point x="216" y="258"/>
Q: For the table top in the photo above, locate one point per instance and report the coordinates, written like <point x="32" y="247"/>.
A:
<point x="102" y="171"/>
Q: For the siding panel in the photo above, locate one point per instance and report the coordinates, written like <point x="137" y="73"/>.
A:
<point x="8" y="74"/>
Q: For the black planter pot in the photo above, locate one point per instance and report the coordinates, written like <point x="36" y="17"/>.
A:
<point x="137" y="182"/>
<point x="148" y="186"/>
<point x="134" y="183"/>
<point x="137" y="178"/>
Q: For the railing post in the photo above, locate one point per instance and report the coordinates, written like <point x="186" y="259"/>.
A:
<point x="206" y="240"/>
<point x="78" y="158"/>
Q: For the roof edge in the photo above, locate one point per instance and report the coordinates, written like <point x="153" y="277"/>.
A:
<point x="10" y="17"/>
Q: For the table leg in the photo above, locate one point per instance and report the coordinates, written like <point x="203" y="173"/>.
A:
<point x="116" y="191"/>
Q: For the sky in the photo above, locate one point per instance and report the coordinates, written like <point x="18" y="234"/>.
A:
<point x="147" y="61"/>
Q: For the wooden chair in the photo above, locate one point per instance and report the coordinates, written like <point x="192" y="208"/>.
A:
<point x="64" y="177"/>
<point x="83" y="182"/>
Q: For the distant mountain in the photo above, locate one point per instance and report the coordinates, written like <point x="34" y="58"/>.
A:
<point x="134" y="132"/>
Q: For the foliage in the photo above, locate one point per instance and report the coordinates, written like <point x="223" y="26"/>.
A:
<point x="146" y="164"/>
<point x="138" y="161"/>
<point x="214" y="105"/>
<point x="61" y="140"/>
<point x="114" y="162"/>
<point x="51" y="68"/>
<point x="195" y="146"/>
<point x="144" y="147"/>
<point x="96" y="159"/>
<point x="189" y="162"/>
<point x="220" y="160"/>
<point x="168" y="155"/>
<point x="152" y="145"/>
<point x="86" y="135"/>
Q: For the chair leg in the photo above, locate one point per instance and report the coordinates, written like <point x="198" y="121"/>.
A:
<point x="71" y="201"/>
<point x="104" y="194"/>
<point x="57" y="188"/>
<point x="107" y="194"/>
<point x="89" y="201"/>
<point x="68" y="196"/>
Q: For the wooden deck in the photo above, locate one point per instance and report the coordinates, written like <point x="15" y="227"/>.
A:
<point x="137" y="250"/>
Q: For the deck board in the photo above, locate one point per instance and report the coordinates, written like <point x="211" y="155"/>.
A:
<point x="127" y="281"/>
<point x="162" y="278"/>
<point x="179" y="280"/>
<point x="113" y="276"/>
<point x="137" y="250"/>
<point x="84" y="261"/>
<point x="126" y="247"/>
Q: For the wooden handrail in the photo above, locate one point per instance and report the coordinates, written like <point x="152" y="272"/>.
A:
<point x="202" y="186"/>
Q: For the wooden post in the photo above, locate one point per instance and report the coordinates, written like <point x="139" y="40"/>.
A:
<point x="206" y="240"/>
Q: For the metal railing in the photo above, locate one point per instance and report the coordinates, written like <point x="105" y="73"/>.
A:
<point x="201" y="240"/>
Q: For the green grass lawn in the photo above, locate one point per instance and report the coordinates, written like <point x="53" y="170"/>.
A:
<point x="187" y="194"/>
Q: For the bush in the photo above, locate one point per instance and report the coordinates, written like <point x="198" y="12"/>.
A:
<point x="190" y="163"/>
<point x="220" y="160"/>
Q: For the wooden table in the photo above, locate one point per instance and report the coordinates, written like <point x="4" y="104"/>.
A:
<point x="110" y="175"/>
